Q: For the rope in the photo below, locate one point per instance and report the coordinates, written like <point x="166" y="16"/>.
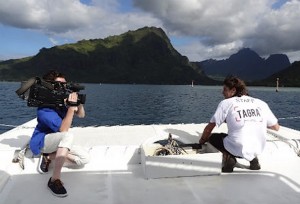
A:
<point x="5" y="125"/>
<point x="287" y="141"/>
<point x="15" y="126"/>
<point x="289" y="118"/>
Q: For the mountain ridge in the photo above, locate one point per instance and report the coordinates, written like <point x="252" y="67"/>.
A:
<point x="246" y="64"/>
<point x="143" y="56"/>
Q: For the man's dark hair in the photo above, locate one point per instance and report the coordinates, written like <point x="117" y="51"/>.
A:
<point x="52" y="75"/>
<point x="234" y="82"/>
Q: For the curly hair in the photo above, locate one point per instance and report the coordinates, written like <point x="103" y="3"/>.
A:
<point x="52" y="75"/>
<point x="234" y="82"/>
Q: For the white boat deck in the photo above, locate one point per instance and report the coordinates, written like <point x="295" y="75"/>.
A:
<point x="116" y="173"/>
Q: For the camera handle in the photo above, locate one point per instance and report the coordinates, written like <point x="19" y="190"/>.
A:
<point x="71" y="103"/>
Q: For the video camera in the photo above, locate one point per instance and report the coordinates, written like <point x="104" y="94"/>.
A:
<point x="40" y="93"/>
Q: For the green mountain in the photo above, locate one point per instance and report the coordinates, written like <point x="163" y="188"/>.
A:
<point x="143" y="56"/>
<point x="287" y="77"/>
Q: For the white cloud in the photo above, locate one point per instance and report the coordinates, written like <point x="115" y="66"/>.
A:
<point x="112" y="24"/>
<point x="53" y="41"/>
<point x="196" y="51"/>
<point x="216" y="21"/>
<point x="71" y="18"/>
<point x="294" y="56"/>
<point x="53" y="16"/>
<point x="219" y="28"/>
<point x="227" y="25"/>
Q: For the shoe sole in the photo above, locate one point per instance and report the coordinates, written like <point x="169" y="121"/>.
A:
<point x="58" y="195"/>
<point x="254" y="168"/>
<point x="227" y="170"/>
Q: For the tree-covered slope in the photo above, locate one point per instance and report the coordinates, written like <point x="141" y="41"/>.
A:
<point x="143" y="56"/>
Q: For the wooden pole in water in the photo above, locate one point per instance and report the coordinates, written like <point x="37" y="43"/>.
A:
<point x="277" y="84"/>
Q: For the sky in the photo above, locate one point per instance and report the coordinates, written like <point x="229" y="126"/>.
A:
<point x="198" y="29"/>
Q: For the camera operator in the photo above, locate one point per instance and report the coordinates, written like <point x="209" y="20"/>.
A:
<point x="52" y="139"/>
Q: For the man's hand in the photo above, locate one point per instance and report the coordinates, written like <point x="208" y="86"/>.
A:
<point x="72" y="100"/>
<point x="206" y="132"/>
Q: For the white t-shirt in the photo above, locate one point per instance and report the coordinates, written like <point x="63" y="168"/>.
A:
<point x="247" y="119"/>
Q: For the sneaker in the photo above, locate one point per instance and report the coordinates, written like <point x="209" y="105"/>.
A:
<point x="56" y="187"/>
<point x="254" y="164"/>
<point x="44" y="163"/>
<point x="229" y="164"/>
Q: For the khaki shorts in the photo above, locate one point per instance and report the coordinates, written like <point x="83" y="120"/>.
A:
<point x="65" y="139"/>
<point x="80" y="154"/>
<point x="55" y="140"/>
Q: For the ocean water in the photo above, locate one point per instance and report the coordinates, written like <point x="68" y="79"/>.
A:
<point x="109" y="104"/>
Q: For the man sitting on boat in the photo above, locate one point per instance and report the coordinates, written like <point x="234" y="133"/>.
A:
<point x="51" y="138"/>
<point x="247" y="120"/>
